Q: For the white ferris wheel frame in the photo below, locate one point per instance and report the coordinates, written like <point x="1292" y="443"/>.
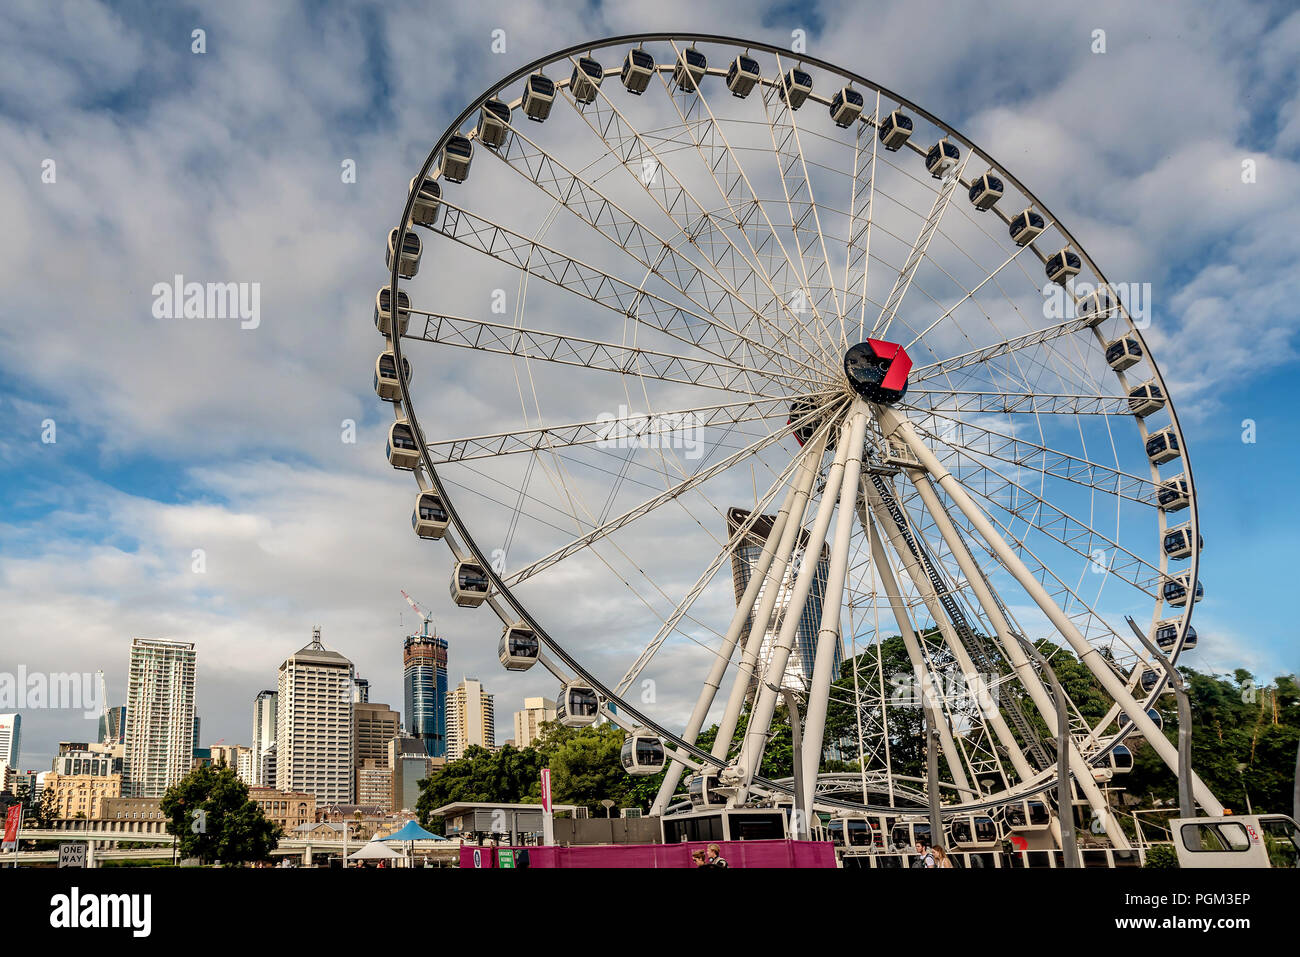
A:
<point x="797" y="373"/>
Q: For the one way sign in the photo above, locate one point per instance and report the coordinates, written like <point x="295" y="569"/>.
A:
<point x="72" y="855"/>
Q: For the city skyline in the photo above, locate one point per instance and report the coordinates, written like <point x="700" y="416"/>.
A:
<point x="233" y="730"/>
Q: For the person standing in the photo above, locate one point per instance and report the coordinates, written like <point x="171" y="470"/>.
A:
<point x="715" y="858"/>
<point x="941" y="858"/>
<point x="924" y="856"/>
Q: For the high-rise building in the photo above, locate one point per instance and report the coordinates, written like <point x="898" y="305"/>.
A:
<point x="159" y="716"/>
<point x="233" y="756"/>
<point x="77" y="758"/>
<point x="410" y="765"/>
<point x="799" y="666"/>
<point x="471" y="719"/>
<point x="424" y="678"/>
<point x="375" y="783"/>
<point x="112" y="725"/>
<point x="266" y="767"/>
<point x="78" y="795"/>
<point x="11" y="739"/>
<point x="264" y="708"/>
<point x="528" y="723"/>
<point x="360" y="690"/>
<point x="314" y="724"/>
<point x="375" y="725"/>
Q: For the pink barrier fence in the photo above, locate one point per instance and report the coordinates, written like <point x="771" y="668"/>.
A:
<point x="737" y="854"/>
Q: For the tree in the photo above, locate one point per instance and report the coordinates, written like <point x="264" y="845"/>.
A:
<point x="209" y="812"/>
<point x="585" y="765"/>
<point x="1244" y="741"/>
<point x="507" y="776"/>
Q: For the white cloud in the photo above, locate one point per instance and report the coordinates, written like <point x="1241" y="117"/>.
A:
<point x="225" y="167"/>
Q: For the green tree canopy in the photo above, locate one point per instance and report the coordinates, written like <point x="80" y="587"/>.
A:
<point x="227" y="827"/>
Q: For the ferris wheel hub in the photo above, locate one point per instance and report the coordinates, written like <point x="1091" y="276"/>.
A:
<point x="877" y="370"/>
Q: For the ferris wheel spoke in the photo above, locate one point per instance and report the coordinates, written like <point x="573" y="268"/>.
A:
<point x="641" y="244"/>
<point x="970" y="294"/>
<point x="536" y="345"/>
<point x="982" y="441"/>
<point x="702" y="228"/>
<point x="795" y="182"/>
<point x="828" y="641"/>
<point x="773" y="586"/>
<point x="986" y="354"/>
<point x="861" y="212"/>
<point x="724" y="553"/>
<point x="1057" y="524"/>
<point x="903" y="280"/>
<point x="645" y="508"/>
<point x="635" y="430"/>
<point x="1027" y="404"/>
<point x="773" y="675"/>
<point x="1093" y="625"/>
<point x="529" y="256"/>
<point x="729" y="176"/>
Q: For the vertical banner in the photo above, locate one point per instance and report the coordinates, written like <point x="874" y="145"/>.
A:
<point x="13" y="821"/>
<point x="548" y="815"/>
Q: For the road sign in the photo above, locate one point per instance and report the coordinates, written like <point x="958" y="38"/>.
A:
<point x="13" y="821"/>
<point x="72" y="855"/>
<point x="506" y="857"/>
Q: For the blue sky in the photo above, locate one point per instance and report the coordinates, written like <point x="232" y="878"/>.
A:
<point x="226" y="165"/>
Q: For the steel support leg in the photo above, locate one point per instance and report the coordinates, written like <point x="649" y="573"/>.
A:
<point x="895" y="425"/>
<point x="828" y="633"/>
<point x="1029" y="678"/>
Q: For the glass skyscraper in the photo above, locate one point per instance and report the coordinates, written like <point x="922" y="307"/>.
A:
<point x="424" y="679"/>
<point x="799" y="667"/>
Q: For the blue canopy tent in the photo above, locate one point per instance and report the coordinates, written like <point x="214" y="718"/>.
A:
<point x="408" y="833"/>
<point x="412" y="832"/>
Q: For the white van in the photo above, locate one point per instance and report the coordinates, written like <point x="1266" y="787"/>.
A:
<point x="1237" y="840"/>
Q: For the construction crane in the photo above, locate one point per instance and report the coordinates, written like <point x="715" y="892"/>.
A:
<point x="423" y="614"/>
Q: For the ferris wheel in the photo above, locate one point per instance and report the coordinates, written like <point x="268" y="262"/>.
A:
<point x="722" y="365"/>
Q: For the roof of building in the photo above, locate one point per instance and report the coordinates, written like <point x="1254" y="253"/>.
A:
<point x="462" y="807"/>
<point x="316" y="652"/>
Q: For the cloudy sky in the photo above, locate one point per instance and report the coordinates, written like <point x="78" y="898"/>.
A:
<point x="126" y="158"/>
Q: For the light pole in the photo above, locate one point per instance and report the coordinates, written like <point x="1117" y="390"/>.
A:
<point x="1064" y="801"/>
<point x="932" y="776"/>
<point x="1241" y="773"/>
<point x="1186" y="808"/>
